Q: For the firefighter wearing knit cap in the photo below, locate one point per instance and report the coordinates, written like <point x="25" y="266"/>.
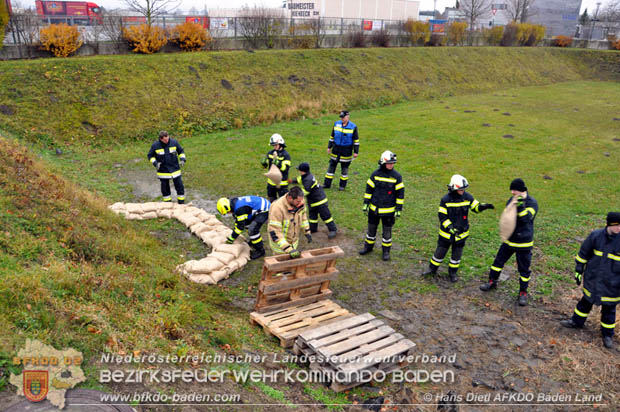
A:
<point x="598" y="265"/>
<point x="520" y="243"/>
<point x="316" y="201"/>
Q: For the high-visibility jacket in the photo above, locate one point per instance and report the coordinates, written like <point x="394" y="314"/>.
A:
<point x="282" y="160"/>
<point x="600" y="253"/>
<point x="285" y="223"/>
<point x="168" y="155"/>
<point x="245" y="209"/>
<point x="523" y="236"/>
<point x="385" y="191"/>
<point x="315" y="195"/>
<point x="344" y="140"/>
<point x="454" y="210"/>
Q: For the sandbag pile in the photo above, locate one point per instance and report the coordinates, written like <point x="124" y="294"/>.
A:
<point x="220" y="263"/>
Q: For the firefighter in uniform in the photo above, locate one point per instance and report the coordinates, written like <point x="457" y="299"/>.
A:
<point x="316" y="200"/>
<point x="279" y="157"/>
<point x="383" y="201"/>
<point x="343" y="147"/>
<point x="287" y="217"/>
<point x="167" y="156"/>
<point x="598" y="261"/>
<point x="453" y="213"/>
<point x="520" y="242"/>
<point x="250" y="212"/>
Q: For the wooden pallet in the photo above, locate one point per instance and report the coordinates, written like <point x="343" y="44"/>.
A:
<point x="287" y="282"/>
<point x="349" y="347"/>
<point x="287" y="324"/>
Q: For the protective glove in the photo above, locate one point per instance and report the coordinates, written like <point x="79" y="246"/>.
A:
<point x="309" y="237"/>
<point x="295" y="254"/>
<point x="182" y="162"/>
<point x="485" y="206"/>
<point x="277" y="162"/>
<point x="397" y="214"/>
<point x="520" y="201"/>
<point x="230" y="240"/>
<point x="578" y="278"/>
<point x="157" y="165"/>
<point x="264" y="161"/>
<point x="453" y="231"/>
<point x="365" y="208"/>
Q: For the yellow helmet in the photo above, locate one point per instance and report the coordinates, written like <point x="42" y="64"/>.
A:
<point x="223" y="205"/>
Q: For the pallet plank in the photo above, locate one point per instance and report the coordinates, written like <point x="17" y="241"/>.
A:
<point x="324" y="331"/>
<point x="345" y="334"/>
<point x="298" y="283"/>
<point x="372" y="359"/>
<point x="357" y="341"/>
<point x="297" y="302"/>
<point x="280" y="262"/>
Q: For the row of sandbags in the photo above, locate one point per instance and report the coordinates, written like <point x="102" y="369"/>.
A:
<point x="223" y="259"/>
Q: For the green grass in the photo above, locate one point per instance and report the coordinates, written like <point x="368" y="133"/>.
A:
<point x="111" y="100"/>
<point x="332" y="400"/>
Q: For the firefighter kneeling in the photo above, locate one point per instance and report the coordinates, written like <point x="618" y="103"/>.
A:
<point x="598" y="261"/>
<point x="383" y="201"/>
<point x="252" y="211"/>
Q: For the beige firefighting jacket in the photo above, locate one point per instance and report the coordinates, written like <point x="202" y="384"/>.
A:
<point x="285" y="223"/>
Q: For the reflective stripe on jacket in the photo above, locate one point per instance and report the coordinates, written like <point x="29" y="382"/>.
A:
<point x="385" y="191"/>
<point x="600" y="253"/>
<point x="168" y="155"/>
<point x="285" y="223"/>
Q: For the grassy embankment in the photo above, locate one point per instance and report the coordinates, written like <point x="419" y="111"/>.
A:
<point x="73" y="275"/>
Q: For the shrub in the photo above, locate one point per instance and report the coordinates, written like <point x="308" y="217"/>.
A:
<point x="190" y="36"/>
<point x="494" y="35"/>
<point x="510" y="35"/>
<point x="456" y="32"/>
<point x="562" y="41"/>
<point x="145" y="39"/>
<point x="60" y="39"/>
<point x="357" y="39"/>
<point x="529" y="34"/>
<point x="615" y="44"/>
<point x="303" y="36"/>
<point x="380" y="38"/>
<point x="4" y="20"/>
<point x="419" y="32"/>
<point x="438" y="40"/>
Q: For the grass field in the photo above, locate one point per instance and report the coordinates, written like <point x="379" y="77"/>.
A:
<point x="562" y="139"/>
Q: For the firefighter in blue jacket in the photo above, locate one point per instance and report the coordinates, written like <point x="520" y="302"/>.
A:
<point x="277" y="156"/>
<point x="343" y="147"/>
<point x="453" y="214"/>
<point x="383" y="201"/>
<point x="598" y="263"/>
<point x="251" y="212"/>
<point x="167" y="156"/>
<point x="316" y="201"/>
<point x="520" y="242"/>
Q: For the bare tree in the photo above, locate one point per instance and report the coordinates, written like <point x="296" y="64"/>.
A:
<point x="26" y="27"/>
<point x="152" y="8"/>
<point x="611" y="12"/>
<point x="521" y="10"/>
<point x="260" y="26"/>
<point x="474" y="9"/>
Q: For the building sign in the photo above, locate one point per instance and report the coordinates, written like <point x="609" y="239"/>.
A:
<point x="303" y="9"/>
<point x="367" y="25"/>
<point x="219" y="22"/>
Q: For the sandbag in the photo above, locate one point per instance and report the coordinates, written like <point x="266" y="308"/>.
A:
<point x="193" y="210"/>
<point x="198" y="228"/>
<point x="234" y="249"/>
<point x="150" y="207"/>
<point x="219" y="275"/>
<point x="133" y="216"/>
<point x="164" y="205"/>
<point x="149" y="215"/>
<point x="225" y="258"/>
<point x="188" y="219"/>
<point x="206" y="265"/>
<point x="203" y="279"/>
<point x="508" y="220"/>
<point x="167" y="213"/>
<point x="274" y="174"/>
<point x="117" y="206"/>
<point x="134" y="208"/>
<point x="202" y="215"/>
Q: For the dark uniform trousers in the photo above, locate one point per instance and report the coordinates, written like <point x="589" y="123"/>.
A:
<point x="323" y="211"/>
<point x="442" y="249"/>
<point x="608" y="315"/>
<point x="331" y="169"/>
<point x="387" y="220"/>
<point x="524" y="260"/>
<point x="178" y="186"/>
<point x="274" y="192"/>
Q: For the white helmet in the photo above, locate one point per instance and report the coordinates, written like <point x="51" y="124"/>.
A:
<point x="387" y="157"/>
<point x="458" y="182"/>
<point x="276" y="139"/>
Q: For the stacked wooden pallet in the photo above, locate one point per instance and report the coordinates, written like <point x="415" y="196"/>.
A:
<point x="354" y="350"/>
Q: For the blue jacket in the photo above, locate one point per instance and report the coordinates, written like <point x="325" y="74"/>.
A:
<point x="344" y="139"/>
<point x="245" y="209"/>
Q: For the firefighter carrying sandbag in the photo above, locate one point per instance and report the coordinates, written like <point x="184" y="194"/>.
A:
<point x="383" y="202"/>
<point x="279" y="157"/>
<point x="453" y="214"/>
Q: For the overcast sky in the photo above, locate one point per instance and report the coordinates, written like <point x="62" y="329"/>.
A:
<point x="200" y="4"/>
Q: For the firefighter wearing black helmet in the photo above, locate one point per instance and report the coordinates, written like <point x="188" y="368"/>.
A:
<point x="598" y="263"/>
<point x="453" y="215"/>
<point x="383" y="201"/>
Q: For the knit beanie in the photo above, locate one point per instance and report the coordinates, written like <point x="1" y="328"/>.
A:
<point x="518" y="184"/>
<point x="613" y="218"/>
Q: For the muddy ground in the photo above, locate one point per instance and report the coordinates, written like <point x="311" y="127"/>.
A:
<point x="501" y="349"/>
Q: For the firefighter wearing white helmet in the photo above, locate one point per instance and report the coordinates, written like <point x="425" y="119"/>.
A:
<point x="277" y="156"/>
<point x="383" y="201"/>
<point x="453" y="216"/>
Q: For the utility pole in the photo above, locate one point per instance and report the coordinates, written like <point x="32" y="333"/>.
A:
<point x="434" y="8"/>
<point x="598" y="5"/>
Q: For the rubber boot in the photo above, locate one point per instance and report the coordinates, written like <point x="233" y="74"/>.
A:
<point x="522" y="298"/>
<point x="431" y="271"/>
<point x="367" y="248"/>
<point x="491" y="284"/>
<point x="258" y="251"/>
<point x="332" y="234"/>
<point x="386" y="253"/>
<point x="608" y="342"/>
<point x="452" y="273"/>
